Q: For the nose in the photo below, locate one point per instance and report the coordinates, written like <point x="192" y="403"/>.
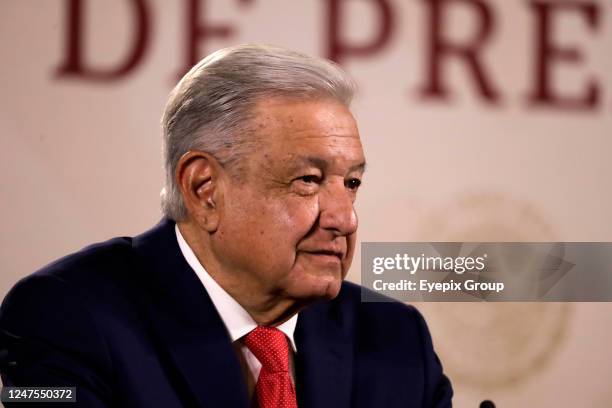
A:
<point x="337" y="212"/>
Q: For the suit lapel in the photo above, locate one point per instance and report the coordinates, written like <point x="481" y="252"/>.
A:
<point x="324" y="358"/>
<point x="191" y="336"/>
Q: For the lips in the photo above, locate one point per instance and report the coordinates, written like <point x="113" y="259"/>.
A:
<point x="328" y="252"/>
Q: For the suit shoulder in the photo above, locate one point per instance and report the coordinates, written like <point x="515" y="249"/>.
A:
<point x="45" y="317"/>
<point x="93" y="258"/>
<point x="69" y="282"/>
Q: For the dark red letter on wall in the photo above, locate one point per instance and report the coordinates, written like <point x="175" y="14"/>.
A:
<point x="546" y="53"/>
<point x="74" y="66"/>
<point x="339" y="49"/>
<point x="197" y="32"/>
<point x="440" y="49"/>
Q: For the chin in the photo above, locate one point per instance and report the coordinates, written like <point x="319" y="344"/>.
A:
<point x="333" y="289"/>
<point x="325" y="289"/>
<point x="315" y="284"/>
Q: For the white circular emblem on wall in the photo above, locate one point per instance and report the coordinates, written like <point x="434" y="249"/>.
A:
<point x="492" y="345"/>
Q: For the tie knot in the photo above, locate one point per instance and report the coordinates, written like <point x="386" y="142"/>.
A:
<point x="270" y="347"/>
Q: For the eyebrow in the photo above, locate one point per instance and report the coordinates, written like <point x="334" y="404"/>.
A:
<point x="322" y="163"/>
<point x="359" y="167"/>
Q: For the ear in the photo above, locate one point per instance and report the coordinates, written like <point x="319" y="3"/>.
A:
<point x="198" y="177"/>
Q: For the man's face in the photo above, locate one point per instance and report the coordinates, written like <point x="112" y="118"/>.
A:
<point x="288" y="226"/>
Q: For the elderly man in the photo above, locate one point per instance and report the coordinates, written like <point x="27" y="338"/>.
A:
<point x="237" y="297"/>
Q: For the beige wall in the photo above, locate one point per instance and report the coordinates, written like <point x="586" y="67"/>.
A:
<point x="81" y="162"/>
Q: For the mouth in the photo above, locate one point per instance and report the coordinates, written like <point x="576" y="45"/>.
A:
<point x="327" y="254"/>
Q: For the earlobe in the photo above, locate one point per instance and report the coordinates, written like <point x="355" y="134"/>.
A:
<point x="197" y="175"/>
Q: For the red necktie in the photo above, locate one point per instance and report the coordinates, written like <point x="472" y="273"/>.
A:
<point x="274" y="388"/>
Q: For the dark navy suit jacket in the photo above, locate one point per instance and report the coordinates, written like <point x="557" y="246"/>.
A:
<point x="129" y="324"/>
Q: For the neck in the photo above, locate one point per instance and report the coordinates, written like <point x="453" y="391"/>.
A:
<point x="266" y="309"/>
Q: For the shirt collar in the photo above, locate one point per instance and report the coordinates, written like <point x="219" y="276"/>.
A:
<point x="237" y="320"/>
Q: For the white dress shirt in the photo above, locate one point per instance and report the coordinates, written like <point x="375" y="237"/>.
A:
<point x="237" y="320"/>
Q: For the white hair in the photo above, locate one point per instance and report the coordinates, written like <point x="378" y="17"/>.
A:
<point x="210" y="107"/>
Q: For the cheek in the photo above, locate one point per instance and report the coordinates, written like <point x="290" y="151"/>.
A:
<point x="276" y="226"/>
<point x="296" y="217"/>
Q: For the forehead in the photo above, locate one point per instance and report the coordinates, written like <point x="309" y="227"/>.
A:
<point x="317" y="130"/>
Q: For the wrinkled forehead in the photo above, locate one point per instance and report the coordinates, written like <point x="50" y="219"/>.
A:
<point x="295" y="113"/>
<point x="317" y="131"/>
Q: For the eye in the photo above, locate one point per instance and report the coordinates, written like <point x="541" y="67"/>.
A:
<point x="353" y="183"/>
<point x="307" y="185"/>
<point x="310" y="179"/>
